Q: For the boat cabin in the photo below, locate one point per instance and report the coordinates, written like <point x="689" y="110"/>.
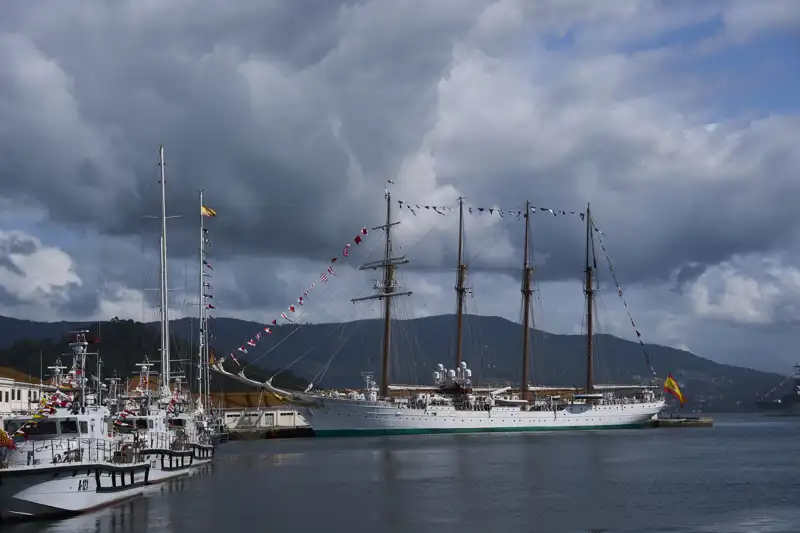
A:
<point x="133" y="424"/>
<point x="58" y="427"/>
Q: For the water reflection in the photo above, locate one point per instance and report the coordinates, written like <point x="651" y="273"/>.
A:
<point x="727" y="479"/>
<point x="127" y="517"/>
<point x="137" y="515"/>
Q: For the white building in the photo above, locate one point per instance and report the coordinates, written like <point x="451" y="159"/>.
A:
<point x="18" y="396"/>
<point x="264" y="418"/>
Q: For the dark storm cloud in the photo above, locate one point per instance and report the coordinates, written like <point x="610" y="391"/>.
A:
<point x="248" y="102"/>
<point x="250" y="284"/>
<point x="656" y="216"/>
<point x="110" y="263"/>
<point x="8" y="264"/>
<point x="81" y="301"/>
<point x="292" y="116"/>
<point x="19" y="246"/>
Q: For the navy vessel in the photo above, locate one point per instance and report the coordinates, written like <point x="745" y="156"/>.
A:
<point x="786" y="405"/>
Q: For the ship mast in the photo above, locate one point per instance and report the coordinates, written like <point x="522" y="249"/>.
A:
<point x="460" y="288"/>
<point x="527" y="271"/>
<point x="386" y="290"/>
<point x="589" y="291"/>
<point x="165" y="370"/>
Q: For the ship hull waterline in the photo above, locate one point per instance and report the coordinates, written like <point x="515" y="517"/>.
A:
<point x="331" y="416"/>
<point x="68" y="490"/>
<point x="363" y="420"/>
<point x="780" y="412"/>
<point x="30" y="496"/>
<point x="328" y="433"/>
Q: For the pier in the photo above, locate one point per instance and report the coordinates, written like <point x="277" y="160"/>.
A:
<point x="682" y="422"/>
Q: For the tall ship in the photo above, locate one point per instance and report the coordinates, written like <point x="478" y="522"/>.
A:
<point x="451" y="404"/>
<point x="788" y="404"/>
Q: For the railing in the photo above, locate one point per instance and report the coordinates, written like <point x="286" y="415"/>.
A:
<point x="177" y="441"/>
<point x="482" y="405"/>
<point x="166" y="441"/>
<point x="43" y="452"/>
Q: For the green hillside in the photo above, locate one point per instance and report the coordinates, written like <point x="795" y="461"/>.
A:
<point x="491" y="348"/>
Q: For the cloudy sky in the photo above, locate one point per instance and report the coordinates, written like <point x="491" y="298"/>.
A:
<point x="677" y="120"/>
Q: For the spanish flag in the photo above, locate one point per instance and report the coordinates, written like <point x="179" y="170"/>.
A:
<point x="207" y="211"/>
<point x="671" y="386"/>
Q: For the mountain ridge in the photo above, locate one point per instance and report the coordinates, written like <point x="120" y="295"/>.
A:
<point x="341" y="351"/>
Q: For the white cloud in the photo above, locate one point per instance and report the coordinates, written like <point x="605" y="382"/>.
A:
<point x="748" y="291"/>
<point x="34" y="273"/>
<point x="123" y="302"/>
<point x="745" y="18"/>
<point x="499" y="101"/>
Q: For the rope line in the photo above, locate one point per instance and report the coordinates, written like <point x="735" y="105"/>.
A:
<point x="599" y="235"/>
<point x="330" y="295"/>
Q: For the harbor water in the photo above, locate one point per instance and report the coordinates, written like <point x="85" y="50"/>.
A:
<point x="739" y="476"/>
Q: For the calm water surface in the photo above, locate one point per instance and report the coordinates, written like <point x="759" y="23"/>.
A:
<point x="741" y="476"/>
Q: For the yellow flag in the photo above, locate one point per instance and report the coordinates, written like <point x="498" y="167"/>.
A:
<point x="671" y="386"/>
<point x="207" y="211"/>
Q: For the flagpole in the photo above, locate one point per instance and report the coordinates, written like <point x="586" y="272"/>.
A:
<point x="201" y="308"/>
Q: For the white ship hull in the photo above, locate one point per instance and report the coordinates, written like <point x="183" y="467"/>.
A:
<point x="343" y="417"/>
<point x="62" y="490"/>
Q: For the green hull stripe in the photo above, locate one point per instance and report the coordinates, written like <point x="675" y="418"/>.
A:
<point x="387" y="431"/>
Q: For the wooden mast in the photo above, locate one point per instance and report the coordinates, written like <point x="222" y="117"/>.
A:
<point x="589" y="291"/>
<point x="386" y="290"/>
<point x="460" y="288"/>
<point x="526" y="303"/>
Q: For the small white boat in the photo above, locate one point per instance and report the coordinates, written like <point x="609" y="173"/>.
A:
<point x="170" y="448"/>
<point x="164" y="430"/>
<point x="63" y="459"/>
<point x="57" y="473"/>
